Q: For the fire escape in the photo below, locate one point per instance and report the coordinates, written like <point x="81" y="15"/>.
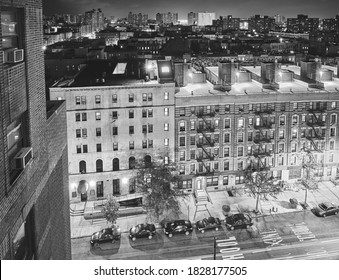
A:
<point x="316" y="123"/>
<point x="205" y="143"/>
<point x="260" y="151"/>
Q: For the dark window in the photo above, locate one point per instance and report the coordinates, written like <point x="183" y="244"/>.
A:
<point x="77" y="117"/>
<point x="116" y="187"/>
<point x="98" y="147"/>
<point x="84" y="149"/>
<point x="100" y="189"/>
<point x="115" y="130"/>
<point x="131" y="163"/>
<point x="182" y="141"/>
<point x="144" y="144"/>
<point x="150" y="143"/>
<point x="150" y="128"/>
<point x="131" y="129"/>
<point x="99" y="165"/>
<point x="115" y="164"/>
<point x="144" y="128"/>
<point x="84" y="117"/>
<point x="78" y="133"/>
<point x="98" y="131"/>
<point x="144" y="113"/>
<point x="115" y="115"/>
<point x="77" y="100"/>
<point x="82" y="166"/>
<point x="114" y="98"/>
<point x="131" y="97"/>
<point x="150" y="113"/>
<point x="150" y="96"/>
<point x="131" y="145"/>
<point x="78" y="149"/>
<point x="131" y="114"/>
<point x="148" y="161"/>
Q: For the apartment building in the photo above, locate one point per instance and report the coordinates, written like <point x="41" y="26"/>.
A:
<point x="34" y="212"/>
<point x="118" y="113"/>
<point x="259" y="116"/>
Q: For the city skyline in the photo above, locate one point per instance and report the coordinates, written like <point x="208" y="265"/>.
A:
<point x="247" y="8"/>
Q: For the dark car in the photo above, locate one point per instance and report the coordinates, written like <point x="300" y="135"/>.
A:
<point x="326" y="209"/>
<point x="208" y="223"/>
<point x="142" y="230"/>
<point x="106" y="235"/>
<point x="237" y="221"/>
<point x="178" y="226"/>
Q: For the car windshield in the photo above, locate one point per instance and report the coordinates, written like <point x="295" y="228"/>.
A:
<point x="323" y="206"/>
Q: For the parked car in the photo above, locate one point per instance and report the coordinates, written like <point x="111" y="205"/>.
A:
<point x="237" y="221"/>
<point x="106" y="235"/>
<point x="208" y="223"/>
<point x="178" y="226"/>
<point x="325" y="209"/>
<point x="142" y="230"/>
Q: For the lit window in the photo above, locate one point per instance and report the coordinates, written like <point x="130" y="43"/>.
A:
<point x="98" y="116"/>
<point x="97" y="99"/>
<point x="166" y="95"/>
<point x="166" y="111"/>
<point x="166" y="142"/>
<point x="166" y="126"/>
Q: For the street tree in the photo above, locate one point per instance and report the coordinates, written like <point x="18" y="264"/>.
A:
<point x="261" y="184"/>
<point x="111" y="210"/>
<point x="159" y="182"/>
<point x="308" y="167"/>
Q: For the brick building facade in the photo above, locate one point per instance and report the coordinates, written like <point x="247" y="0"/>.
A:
<point x="34" y="213"/>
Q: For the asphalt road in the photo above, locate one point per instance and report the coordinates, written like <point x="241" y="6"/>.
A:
<point x="299" y="235"/>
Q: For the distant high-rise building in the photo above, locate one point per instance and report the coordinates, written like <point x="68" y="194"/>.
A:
<point x="279" y="19"/>
<point x="302" y="24"/>
<point x="34" y="212"/>
<point x="192" y="18"/>
<point x="137" y="19"/>
<point x="261" y="23"/>
<point x="96" y="19"/>
<point x="205" y="18"/>
<point x="167" y="18"/>
<point x="230" y="22"/>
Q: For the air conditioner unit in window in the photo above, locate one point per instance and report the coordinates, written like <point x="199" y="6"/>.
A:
<point x="22" y="158"/>
<point x="13" y="55"/>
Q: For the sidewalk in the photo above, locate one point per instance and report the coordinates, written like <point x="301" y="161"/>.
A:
<point x="327" y="191"/>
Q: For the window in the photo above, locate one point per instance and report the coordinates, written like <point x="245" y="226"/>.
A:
<point x="293" y="147"/>
<point x="182" y="156"/>
<point x="84" y="117"/>
<point x="333" y="119"/>
<point x="241" y="108"/>
<point x="282" y="120"/>
<point x="144" y="144"/>
<point x="332" y="131"/>
<point x="295" y="106"/>
<point x="98" y="148"/>
<point x="78" y="149"/>
<point x="331" y="145"/>
<point x="115" y="146"/>
<point x="82" y="167"/>
<point x="250" y="121"/>
<point x="11" y="29"/>
<point x="77" y="133"/>
<point x="282" y="107"/>
<point x="226" y="151"/>
<point x="240" y="151"/>
<point x="150" y="143"/>
<point x="97" y="99"/>
<point x="227" y="108"/>
<point x="77" y="100"/>
<point x="181" y="112"/>
<point x="144" y="97"/>
<point x="281" y="134"/>
<point x="166" y="111"/>
<point x="192" y="154"/>
<point x="84" y="132"/>
<point x="150" y="128"/>
<point x="98" y="116"/>
<point x="150" y="96"/>
<point x="192" y="126"/>
<point x="303" y="118"/>
<point x="166" y="126"/>
<point x="182" y="126"/>
<point x="166" y="95"/>
<point x="250" y="136"/>
<point x="131" y="129"/>
<point x="240" y="165"/>
<point x="115" y="115"/>
<point x="115" y="164"/>
<point x="131" y="163"/>
<point x="98" y="131"/>
<point x="144" y="128"/>
<point x="115" y="130"/>
<point x="281" y="147"/>
<point x="294" y="133"/>
<point x="239" y="180"/>
<point x="116" y="187"/>
<point x="333" y="105"/>
<point x="182" y="141"/>
<point x="99" y="165"/>
<point x="280" y="161"/>
<point x="294" y="120"/>
<point x="225" y="180"/>
<point x="227" y="123"/>
<point x="84" y="149"/>
<point x="114" y="98"/>
<point x="131" y="114"/>
<point x="241" y="123"/>
<point x="166" y="160"/>
<point x="100" y="189"/>
<point x="166" y="142"/>
<point x="131" y="145"/>
<point x="144" y="113"/>
<point x="192" y="140"/>
<point x="83" y="100"/>
<point x="240" y="137"/>
<point x="216" y="138"/>
<point x="77" y="117"/>
<point x="131" y="97"/>
<point x="226" y="165"/>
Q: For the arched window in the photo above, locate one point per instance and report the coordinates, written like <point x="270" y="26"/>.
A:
<point x="131" y="163"/>
<point x="115" y="164"/>
<point x="148" y="161"/>
<point x="82" y="166"/>
<point x="99" y="165"/>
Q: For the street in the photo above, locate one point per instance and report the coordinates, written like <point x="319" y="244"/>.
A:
<point x="297" y="235"/>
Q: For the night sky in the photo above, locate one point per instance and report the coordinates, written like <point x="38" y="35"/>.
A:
<point x="242" y="8"/>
